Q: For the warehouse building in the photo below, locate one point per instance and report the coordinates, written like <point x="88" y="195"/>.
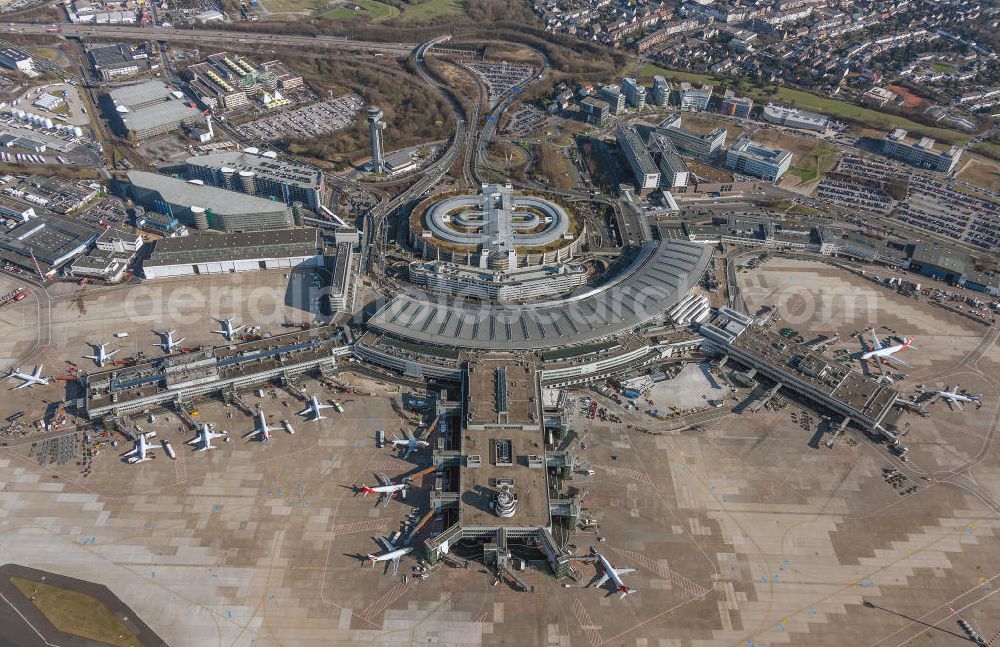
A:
<point x="121" y="60"/>
<point x="206" y="207"/>
<point x="150" y="109"/>
<point x="16" y="58"/>
<point x="48" y="240"/>
<point x="262" y="174"/>
<point x="234" y="252"/>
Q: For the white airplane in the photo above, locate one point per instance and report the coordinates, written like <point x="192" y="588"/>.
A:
<point x="168" y="343"/>
<point x="608" y="571"/>
<point x="261" y="428"/>
<point x="227" y="328"/>
<point x="140" y="452"/>
<point x="386" y="491"/>
<point x="314" y="409"/>
<point x="409" y="445"/>
<point x="887" y="353"/>
<point x="954" y="398"/>
<point x="392" y="554"/>
<point x="204" y="438"/>
<point x="100" y="356"/>
<point x="29" y="379"/>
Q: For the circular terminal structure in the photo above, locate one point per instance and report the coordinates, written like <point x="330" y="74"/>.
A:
<point x="496" y="229"/>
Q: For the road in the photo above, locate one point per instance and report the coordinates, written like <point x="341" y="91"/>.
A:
<point x="199" y="36"/>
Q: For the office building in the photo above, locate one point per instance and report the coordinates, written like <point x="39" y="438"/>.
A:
<point x="644" y="170"/>
<point x="206" y="207"/>
<point x="16" y="58"/>
<point x="695" y="98"/>
<point x="230" y="81"/>
<point x="254" y="172"/>
<point x="921" y="154"/>
<point x="594" y="111"/>
<point x="635" y="94"/>
<point x="151" y="109"/>
<point x="795" y="118"/>
<point x="692" y="143"/>
<point x="748" y="158"/>
<point x="735" y="106"/>
<point x="375" y="128"/>
<point x="673" y="170"/>
<point x="234" y="252"/>
<point x="614" y="98"/>
<point x="661" y="91"/>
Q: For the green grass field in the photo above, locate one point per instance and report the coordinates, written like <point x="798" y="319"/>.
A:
<point x="988" y="149"/>
<point x="290" y="6"/>
<point x="816" y="163"/>
<point x="378" y="11"/>
<point x="76" y="613"/>
<point x="421" y="12"/>
<point x="808" y="101"/>
<point x="943" y="68"/>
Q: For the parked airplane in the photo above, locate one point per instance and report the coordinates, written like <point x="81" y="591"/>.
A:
<point x="954" y="398"/>
<point x="386" y="491"/>
<point x="100" y="356"/>
<point x="607" y="570"/>
<point x="261" y="429"/>
<point x="314" y="409"/>
<point x="410" y="445"/>
<point x="227" y="328"/>
<point x="887" y="353"/>
<point x="140" y="452"/>
<point x="203" y="440"/>
<point x="168" y="343"/>
<point x="29" y="379"/>
<point x="392" y="554"/>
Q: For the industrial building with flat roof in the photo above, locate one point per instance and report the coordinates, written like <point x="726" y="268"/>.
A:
<point x="151" y="109"/>
<point x="206" y="207"/>
<point x="260" y="173"/>
<point x="921" y="154"/>
<point x="748" y="158"/>
<point x="48" y="240"/>
<point x="234" y="252"/>
<point x="121" y="60"/>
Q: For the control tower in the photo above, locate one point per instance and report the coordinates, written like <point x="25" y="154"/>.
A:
<point x="375" y="128"/>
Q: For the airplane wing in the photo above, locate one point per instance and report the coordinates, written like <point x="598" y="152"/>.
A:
<point x="602" y="581"/>
<point x="21" y="386"/>
<point x="304" y="411"/>
<point x="386" y="498"/>
<point x="899" y="361"/>
<point x="623" y="571"/>
<point x="130" y="453"/>
<point x="93" y="357"/>
<point x="876" y="344"/>
<point x="395" y="566"/>
<point x="388" y="544"/>
<point x="193" y="441"/>
<point x="383" y="479"/>
<point x="407" y="452"/>
<point x="957" y="403"/>
<point x="112" y="352"/>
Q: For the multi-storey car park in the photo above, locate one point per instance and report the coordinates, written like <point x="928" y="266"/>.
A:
<point x="260" y="173"/>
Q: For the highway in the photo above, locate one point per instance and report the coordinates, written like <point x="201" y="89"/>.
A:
<point x="431" y="175"/>
<point x="199" y="36"/>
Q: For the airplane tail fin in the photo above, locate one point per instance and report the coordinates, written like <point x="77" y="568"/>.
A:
<point x="371" y="558"/>
<point x="626" y="591"/>
<point x="908" y="342"/>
